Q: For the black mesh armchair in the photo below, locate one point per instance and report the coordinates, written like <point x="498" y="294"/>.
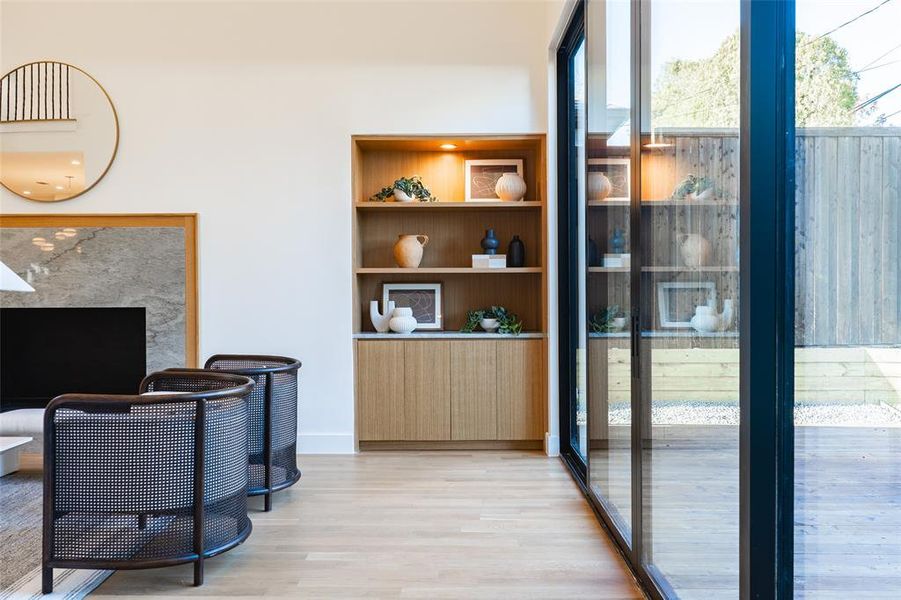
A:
<point x="273" y="419"/>
<point x="132" y="482"/>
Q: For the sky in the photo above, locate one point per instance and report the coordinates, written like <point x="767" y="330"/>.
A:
<point x="695" y="29"/>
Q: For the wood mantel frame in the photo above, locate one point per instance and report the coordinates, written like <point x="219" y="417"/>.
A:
<point x="187" y="221"/>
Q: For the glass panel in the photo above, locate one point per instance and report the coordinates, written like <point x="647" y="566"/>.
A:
<point x="847" y="411"/>
<point x="689" y="291"/>
<point x="609" y="258"/>
<point x="579" y="420"/>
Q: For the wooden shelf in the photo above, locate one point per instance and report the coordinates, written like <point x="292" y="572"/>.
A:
<point x="665" y="202"/>
<point x="448" y="335"/>
<point x="674" y="269"/>
<point x="682" y="333"/>
<point x="665" y="269"/>
<point x="446" y="270"/>
<point x="445" y="205"/>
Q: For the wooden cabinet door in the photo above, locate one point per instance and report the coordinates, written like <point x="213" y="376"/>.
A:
<point x="520" y="390"/>
<point x="473" y="390"/>
<point x="426" y="390"/>
<point x="380" y="389"/>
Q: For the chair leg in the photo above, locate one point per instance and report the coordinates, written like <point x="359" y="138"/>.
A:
<point x="267" y="503"/>
<point x="198" y="572"/>
<point x="46" y="580"/>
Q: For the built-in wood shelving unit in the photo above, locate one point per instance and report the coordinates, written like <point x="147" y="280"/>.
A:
<point x="434" y="388"/>
<point x="666" y="269"/>
<point x="447" y="270"/>
<point x="459" y="205"/>
<point x="455" y="228"/>
<point x="664" y="202"/>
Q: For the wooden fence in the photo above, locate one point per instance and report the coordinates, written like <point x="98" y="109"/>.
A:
<point x="848" y="223"/>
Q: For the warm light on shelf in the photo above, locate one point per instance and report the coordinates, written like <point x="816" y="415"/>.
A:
<point x="448" y="146"/>
<point x="654" y="144"/>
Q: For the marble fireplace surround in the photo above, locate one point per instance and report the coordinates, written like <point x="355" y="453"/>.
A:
<point x="112" y="261"/>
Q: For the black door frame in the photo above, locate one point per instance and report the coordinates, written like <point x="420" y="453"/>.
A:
<point x="567" y="239"/>
<point x="766" y="281"/>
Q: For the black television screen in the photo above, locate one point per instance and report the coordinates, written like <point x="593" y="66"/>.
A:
<point x="45" y="352"/>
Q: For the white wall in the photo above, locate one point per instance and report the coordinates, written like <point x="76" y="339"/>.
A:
<point x="243" y="112"/>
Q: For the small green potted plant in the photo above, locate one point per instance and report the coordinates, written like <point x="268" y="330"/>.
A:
<point x="608" y="320"/>
<point x="695" y="188"/>
<point x="405" y="189"/>
<point x="492" y="319"/>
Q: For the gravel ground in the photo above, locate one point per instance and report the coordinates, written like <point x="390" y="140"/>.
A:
<point x="709" y="413"/>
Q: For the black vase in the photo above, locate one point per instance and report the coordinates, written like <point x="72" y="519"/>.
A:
<point x="593" y="258"/>
<point x="489" y="242"/>
<point x="516" y="253"/>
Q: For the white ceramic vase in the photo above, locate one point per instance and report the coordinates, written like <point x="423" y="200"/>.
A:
<point x="695" y="250"/>
<point x="402" y="320"/>
<point x="510" y="187"/>
<point x="380" y="320"/>
<point x="489" y="325"/>
<point x="402" y="196"/>
<point x="599" y="186"/>
<point x="705" y="320"/>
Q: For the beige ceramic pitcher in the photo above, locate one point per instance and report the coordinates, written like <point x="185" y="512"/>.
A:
<point x="408" y="250"/>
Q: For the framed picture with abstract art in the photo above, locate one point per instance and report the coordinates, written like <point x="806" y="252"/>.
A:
<point x="618" y="171"/>
<point x="482" y="175"/>
<point x="423" y="298"/>
<point x="677" y="300"/>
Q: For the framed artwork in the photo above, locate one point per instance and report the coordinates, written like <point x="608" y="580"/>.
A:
<point x="423" y="298"/>
<point x="677" y="300"/>
<point x="482" y="175"/>
<point x="618" y="171"/>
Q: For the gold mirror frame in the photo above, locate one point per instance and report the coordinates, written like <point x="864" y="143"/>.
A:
<point x="115" y="120"/>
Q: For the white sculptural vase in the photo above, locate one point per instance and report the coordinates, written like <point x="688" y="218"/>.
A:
<point x="511" y="187"/>
<point x="402" y="320"/>
<point x="380" y="320"/>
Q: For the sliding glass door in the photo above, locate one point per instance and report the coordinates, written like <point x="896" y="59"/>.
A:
<point x="690" y="295"/>
<point x="571" y="123"/>
<point x="847" y="412"/>
<point x="730" y="299"/>
<point x="608" y="247"/>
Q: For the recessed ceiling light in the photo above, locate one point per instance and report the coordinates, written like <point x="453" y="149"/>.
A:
<point x="448" y="146"/>
<point x="59" y="187"/>
<point x="26" y="192"/>
<point x="76" y="162"/>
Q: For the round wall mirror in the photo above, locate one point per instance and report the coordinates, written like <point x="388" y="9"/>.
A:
<point x="58" y="131"/>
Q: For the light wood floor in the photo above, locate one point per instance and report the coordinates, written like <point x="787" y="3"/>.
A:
<point x="413" y="525"/>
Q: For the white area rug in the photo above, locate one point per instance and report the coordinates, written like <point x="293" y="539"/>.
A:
<point x="71" y="584"/>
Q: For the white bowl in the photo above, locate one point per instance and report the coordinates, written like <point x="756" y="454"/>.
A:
<point x="489" y="325"/>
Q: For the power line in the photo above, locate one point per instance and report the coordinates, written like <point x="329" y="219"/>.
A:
<point x="879" y="66"/>
<point x="887" y="117"/>
<point x="876" y="97"/>
<point x="878" y="58"/>
<point x="846" y="23"/>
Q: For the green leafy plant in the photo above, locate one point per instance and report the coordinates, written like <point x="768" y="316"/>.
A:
<point x="602" y="321"/>
<point x="692" y="186"/>
<point x="412" y="186"/>
<point x="507" y="321"/>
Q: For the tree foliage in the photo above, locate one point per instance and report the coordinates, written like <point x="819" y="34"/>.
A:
<point x="705" y="92"/>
